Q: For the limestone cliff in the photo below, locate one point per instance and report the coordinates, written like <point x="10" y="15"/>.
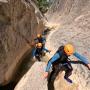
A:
<point x="72" y="21"/>
<point x="19" y="25"/>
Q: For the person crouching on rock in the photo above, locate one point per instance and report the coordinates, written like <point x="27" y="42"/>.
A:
<point x="60" y="60"/>
<point x="38" y="51"/>
<point x="40" y="39"/>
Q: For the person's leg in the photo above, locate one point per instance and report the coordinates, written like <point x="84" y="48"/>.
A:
<point x="68" y="72"/>
<point x="52" y="78"/>
<point x="38" y="57"/>
<point x="42" y="53"/>
<point x="50" y="83"/>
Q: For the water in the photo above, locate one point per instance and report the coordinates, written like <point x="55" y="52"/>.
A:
<point x="9" y="86"/>
<point x="23" y="68"/>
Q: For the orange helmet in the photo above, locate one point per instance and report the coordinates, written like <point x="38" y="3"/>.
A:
<point x="38" y="35"/>
<point x="39" y="45"/>
<point x="69" y="49"/>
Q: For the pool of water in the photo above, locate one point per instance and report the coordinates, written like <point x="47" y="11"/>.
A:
<point x="9" y="86"/>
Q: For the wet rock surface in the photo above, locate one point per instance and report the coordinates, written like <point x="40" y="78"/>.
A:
<point x="33" y="79"/>
<point x="71" y="22"/>
<point x="73" y="19"/>
<point x="18" y="27"/>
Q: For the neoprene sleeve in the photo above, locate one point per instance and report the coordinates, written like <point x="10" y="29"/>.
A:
<point x="81" y="58"/>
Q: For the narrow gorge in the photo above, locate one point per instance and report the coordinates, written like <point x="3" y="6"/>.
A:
<point x="21" y="21"/>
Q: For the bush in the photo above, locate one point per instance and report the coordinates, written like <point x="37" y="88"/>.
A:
<point x="43" y="5"/>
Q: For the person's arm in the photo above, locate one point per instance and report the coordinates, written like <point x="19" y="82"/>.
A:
<point x="54" y="58"/>
<point x="44" y="40"/>
<point x="46" y="50"/>
<point x="81" y="58"/>
<point x="36" y="40"/>
<point x="33" y="52"/>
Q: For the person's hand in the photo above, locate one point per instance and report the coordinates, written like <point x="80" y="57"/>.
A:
<point x="34" y="58"/>
<point x="32" y="43"/>
<point x="75" y="59"/>
<point x="88" y="66"/>
<point x="49" y="51"/>
<point x="45" y="74"/>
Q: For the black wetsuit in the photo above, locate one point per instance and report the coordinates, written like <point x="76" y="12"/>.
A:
<point x="38" y="53"/>
<point x="59" y="65"/>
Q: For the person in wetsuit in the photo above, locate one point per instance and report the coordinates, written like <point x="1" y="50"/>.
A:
<point x="60" y="61"/>
<point x="39" y="51"/>
<point x="40" y="39"/>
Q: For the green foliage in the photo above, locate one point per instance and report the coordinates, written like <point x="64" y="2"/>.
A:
<point x="43" y="5"/>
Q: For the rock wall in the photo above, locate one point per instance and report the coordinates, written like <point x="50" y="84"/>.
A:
<point x="66" y="11"/>
<point x="33" y="79"/>
<point x="72" y="18"/>
<point x="18" y="27"/>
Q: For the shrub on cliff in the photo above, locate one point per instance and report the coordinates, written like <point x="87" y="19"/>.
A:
<point x="43" y="5"/>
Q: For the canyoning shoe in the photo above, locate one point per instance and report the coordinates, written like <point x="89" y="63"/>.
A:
<point x="67" y="79"/>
